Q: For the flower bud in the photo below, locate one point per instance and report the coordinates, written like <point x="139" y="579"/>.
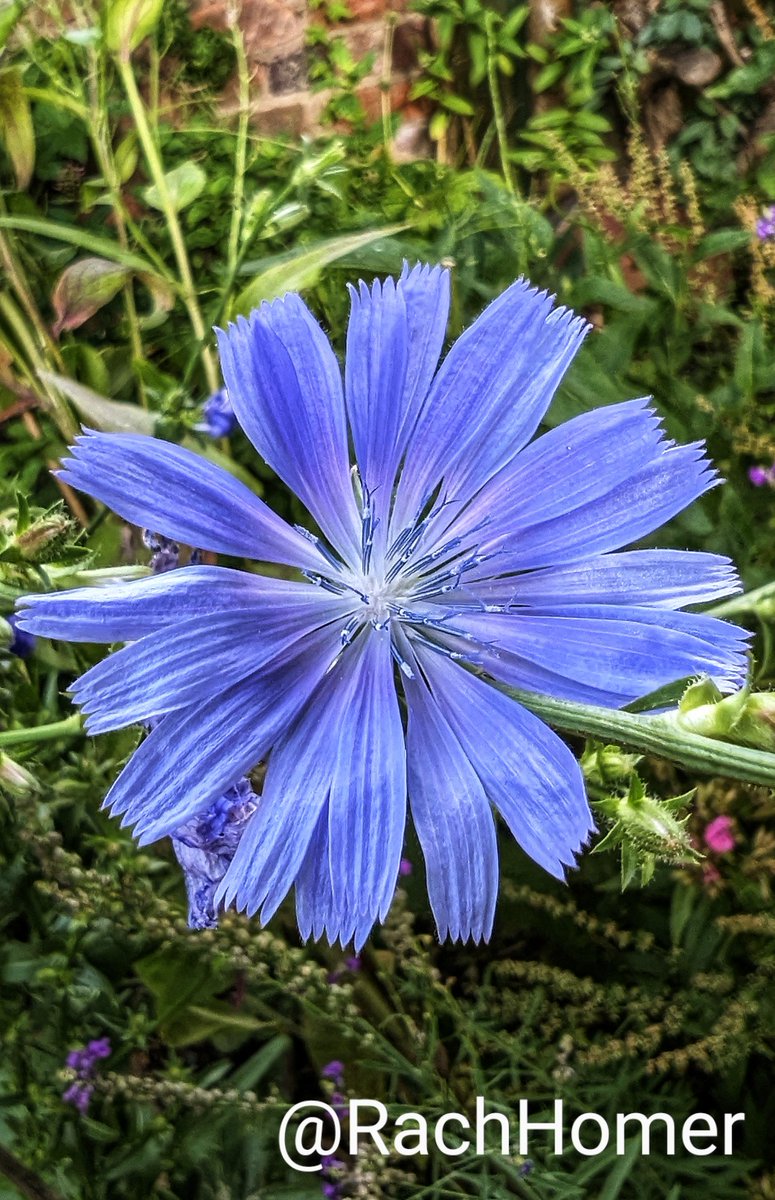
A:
<point x="44" y="538"/>
<point x="648" y="830"/>
<point x="128" y="22"/>
<point x="605" y="765"/>
<point x="15" y="779"/>
<point x="747" y="718"/>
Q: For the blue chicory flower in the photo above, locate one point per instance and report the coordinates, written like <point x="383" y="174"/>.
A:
<point x="459" y="553"/>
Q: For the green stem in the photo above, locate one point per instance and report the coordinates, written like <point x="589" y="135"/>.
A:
<point x="497" y="108"/>
<point x="241" y="150"/>
<point x="654" y="735"/>
<point x="748" y="602"/>
<point x="58" y="408"/>
<point x="100" y="136"/>
<point x="156" y="168"/>
<point x="69" y="727"/>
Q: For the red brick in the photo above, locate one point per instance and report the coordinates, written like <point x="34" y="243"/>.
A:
<point x="370" y="96"/>
<point x="409" y="38"/>
<point x="286" y="115"/>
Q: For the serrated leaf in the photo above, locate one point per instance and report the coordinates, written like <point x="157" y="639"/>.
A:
<point x="110" y="416"/>
<point x="16" y="127"/>
<point x="184" y="184"/>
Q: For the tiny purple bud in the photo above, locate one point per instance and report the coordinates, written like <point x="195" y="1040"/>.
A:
<point x="353" y="963"/>
<point x="405" y="867"/>
<point x="758" y="476"/>
<point x="333" y="1070"/>
<point x="23" y="643"/>
<point x="219" y="419"/>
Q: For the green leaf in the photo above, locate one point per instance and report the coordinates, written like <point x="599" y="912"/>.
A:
<point x="722" y="242"/>
<point x="457" y="104"/>
<point x="184" y="184"/>
<point x="57" y="230"/>
<point x="303" y="269"/>
<point x="592" y="121"/>
<point x="16" y="126"/>
<point x="112" y="416"/>
<point x="546" y="78"/>
<point x="664" y="697"/>
<point x="765" y="177"/>
<point x="83" y="288"/>
<point x="438" y="125"/>
<point x="9" y="15"/>
<point x="197" y="1023"/>
<point x="259" y="1064"/>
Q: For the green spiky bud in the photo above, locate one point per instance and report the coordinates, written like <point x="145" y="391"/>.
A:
<point x="647" y="829"/>
<point x="604" y="766"/>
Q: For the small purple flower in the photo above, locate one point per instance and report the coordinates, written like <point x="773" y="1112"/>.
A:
<point x="353" y="963"/>
<point x="219" y="419"/>
<point x="332" y="1186"/>
<point x="23" y="643"/>
<point x="84" y="1061"/>
<point x="79" y="1095"/>
<point x="761" y="476"/>
<point x="333" y="1070"/>
<point x="765" y="226"/>
<point x="404" y="867"/>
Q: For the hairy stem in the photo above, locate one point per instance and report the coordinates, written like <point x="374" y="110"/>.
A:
<point x="654" y="735"/>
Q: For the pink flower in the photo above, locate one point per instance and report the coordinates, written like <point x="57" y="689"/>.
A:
<point x="710" y="875"/>
<point x="718" y="835"/>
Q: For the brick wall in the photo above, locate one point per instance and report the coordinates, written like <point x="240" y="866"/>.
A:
<point x="277" y="43"/>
